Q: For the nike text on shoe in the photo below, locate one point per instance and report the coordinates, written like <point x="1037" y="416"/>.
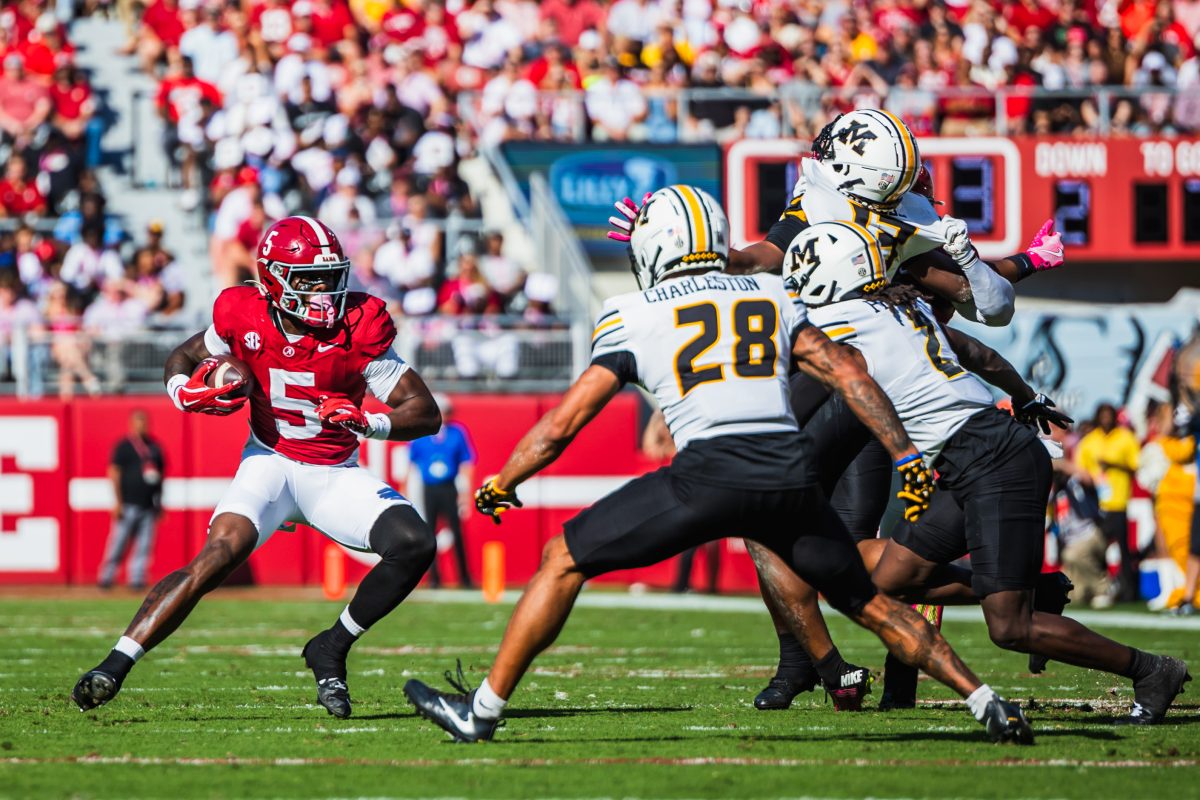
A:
<point x="1004" y="722"/>
<point x="1153" y="694"/>
<point x="329" y="669"/>
<point x="451" y="712"/>
<point x="95" y="689"/>
<point x="853" y="685"/>
<point x="1051" y="594"/>
<point x="780" y="691"/>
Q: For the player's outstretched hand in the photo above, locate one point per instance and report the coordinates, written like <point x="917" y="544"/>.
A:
<point x="624" y="223"/>
<point x="958" y="242"/>
<point x="917" y="488"/>
<point x="196" y="396"/>
<point x="1046" y="250"/>
<point x="494" y="501"/>
<point x="1040" y="411"/>
<point x="342" y="411"/>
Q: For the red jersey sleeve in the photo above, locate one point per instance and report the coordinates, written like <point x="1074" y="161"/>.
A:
<point x="373" y="331"/>
<point x="230" y="306"/>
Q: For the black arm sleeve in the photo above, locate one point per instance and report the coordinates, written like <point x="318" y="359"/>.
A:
<point x="622" y="364"/>
<point x="790" y="224"/>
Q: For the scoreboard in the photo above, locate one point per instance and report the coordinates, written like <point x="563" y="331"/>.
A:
<point x="1116" y="199"/>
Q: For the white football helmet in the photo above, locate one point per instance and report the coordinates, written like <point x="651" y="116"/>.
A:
<point x="874" y="154"/>
<point x="678" y="229"/>
<point x="833" y="261"/>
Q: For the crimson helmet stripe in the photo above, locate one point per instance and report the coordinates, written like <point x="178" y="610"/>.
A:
<point x="319" y="230"/>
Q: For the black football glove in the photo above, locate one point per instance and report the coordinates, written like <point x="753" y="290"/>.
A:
<point x="1040" y="412"/>
<point x="493" y="501"/>
<point x="918" y="486"/>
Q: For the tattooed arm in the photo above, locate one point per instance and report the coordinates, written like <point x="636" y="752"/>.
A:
<point x="989" y="365"/>
<point x="841" y="369"/>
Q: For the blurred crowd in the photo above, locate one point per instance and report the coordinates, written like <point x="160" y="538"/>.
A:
<point x="77" y="291"/>
<point x="49" y="128"/>
<point x="1105" y="465"/>
<point x="312" y="93"/>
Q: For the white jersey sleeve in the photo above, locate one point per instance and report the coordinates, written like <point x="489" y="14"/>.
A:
<point x="214" y="344"/>
<point x="909" y="357"/>
<point x="611" y="347"/>
<point x="383" y="373"/>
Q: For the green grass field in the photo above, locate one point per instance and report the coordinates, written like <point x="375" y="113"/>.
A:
<point x="631" y="703"/>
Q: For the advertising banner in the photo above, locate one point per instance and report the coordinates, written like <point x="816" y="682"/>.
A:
<point x="56" y="497"/>
<point x="588" y="179"/>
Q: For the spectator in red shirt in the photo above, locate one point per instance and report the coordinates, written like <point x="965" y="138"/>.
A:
<point x="24" y="103"/>
<point x="331" y="20"/>
<point x="73" y="102"/>
<point x="573" y="17"/>
<point x="1028" y="13"/>
<point x="180" y="93"/>
<point x="468" y="292"/>
<point x="19" y="197"/>
<point x="162" y="28"/>
<point x="47" y="48"/>
<point x="553" y="61"/>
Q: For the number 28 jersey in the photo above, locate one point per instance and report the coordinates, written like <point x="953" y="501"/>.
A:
<point x="292" y="373"/>
<point x="713" y="349"/>
<point x="909" y="357"/>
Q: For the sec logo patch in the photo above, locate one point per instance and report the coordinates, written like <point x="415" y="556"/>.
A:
<point x="252" y="340"/>
<point x="289" y="351"/>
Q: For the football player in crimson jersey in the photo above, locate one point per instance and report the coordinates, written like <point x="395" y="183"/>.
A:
<point x="314" y="350"/>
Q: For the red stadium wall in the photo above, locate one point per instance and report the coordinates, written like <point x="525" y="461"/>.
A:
<point x="55" y="495"/>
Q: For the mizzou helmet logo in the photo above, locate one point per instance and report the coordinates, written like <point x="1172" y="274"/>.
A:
<point x="855" y="136"/>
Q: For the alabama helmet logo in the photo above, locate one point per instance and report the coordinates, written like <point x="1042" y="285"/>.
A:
<point x="289" y="351"/>
<point x="252" y="340"/>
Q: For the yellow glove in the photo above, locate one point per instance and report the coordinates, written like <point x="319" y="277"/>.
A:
<point x="918" y="486"/>
<point x="494" y="501"/>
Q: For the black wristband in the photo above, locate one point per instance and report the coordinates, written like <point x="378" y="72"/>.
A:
<point x="1025" y="266"/>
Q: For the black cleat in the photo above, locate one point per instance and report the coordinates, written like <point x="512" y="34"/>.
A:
<point x="453" y="713"/>
<point x="1051" y="594"/>
<point x="854" y="684"/>
<point x="329" y="669"/>
<point x="1153" y="694"/>
<point x="780" y="691"/>
<point x="1004" y="722"/>
<point x="95" y="689"/>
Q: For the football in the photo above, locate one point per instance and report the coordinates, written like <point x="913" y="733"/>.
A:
<point x="230" y="369"/>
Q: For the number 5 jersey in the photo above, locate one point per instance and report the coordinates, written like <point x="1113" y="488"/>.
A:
<point x="293" y="372"/>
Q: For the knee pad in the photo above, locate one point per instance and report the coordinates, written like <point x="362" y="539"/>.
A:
<point x="401" y="534"/>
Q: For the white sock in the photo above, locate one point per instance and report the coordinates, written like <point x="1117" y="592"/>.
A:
<point x="130" y="648"/>
<point x="978" y="700"/>
<point x="488" y="704"/>
<point x="349" y="624"/>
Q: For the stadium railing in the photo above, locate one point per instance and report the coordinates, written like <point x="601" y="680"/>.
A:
<point x="491" y="353"/>
<point x="483" y="353"/>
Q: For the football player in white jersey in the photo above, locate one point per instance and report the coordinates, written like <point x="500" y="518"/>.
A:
<point x="866" y="168"/>
<point x="993" y="472"/>
<point x="715" y="350"/>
